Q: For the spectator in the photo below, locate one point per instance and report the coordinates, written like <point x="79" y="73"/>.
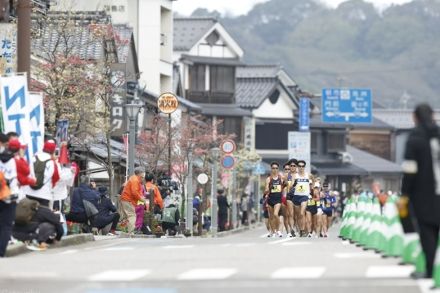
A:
<point x="8" y="202"/>
<point x="77" y="210"/>
<point x="421" y="182"/>
<point x="244" y="209"/>
<point x="44" y="228"/>
<point x="131" y="194"/>
<point x="107" y="212"/>
<point x="152" y="192"/>
<point x="170" y="219"/>
<point x="223" y="206"/>
<point x="47" y="174"/>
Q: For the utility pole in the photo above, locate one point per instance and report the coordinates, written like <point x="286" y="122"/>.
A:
<point x="24" y="37"/>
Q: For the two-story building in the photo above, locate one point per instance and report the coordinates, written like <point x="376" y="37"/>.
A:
<point x="207" y="58"/>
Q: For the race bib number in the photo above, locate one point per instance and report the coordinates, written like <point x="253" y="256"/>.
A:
<point x="276" y="188"/>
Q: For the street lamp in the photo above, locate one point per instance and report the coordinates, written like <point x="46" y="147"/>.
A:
<point x="189" y="189"/>
<point x="132" y="112"/>
<point x="215" y="154"/>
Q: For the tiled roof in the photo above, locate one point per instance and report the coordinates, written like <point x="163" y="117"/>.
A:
<point x="230" y="110"/>
<point x="372" y="163"/>
<point x="81" y="41"/>
<point x="255" y="83"/>
<point x="258" y="71"/>
<point x="187" y="31"/>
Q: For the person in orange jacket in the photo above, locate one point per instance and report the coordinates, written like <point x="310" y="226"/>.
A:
<point x="150" y="187"/>
<point x="130" y="196"/>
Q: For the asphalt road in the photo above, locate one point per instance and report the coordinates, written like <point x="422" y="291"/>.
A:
<point x="246" y="262"/>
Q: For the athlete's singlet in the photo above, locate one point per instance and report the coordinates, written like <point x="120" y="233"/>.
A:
<point x="302" y="185"/>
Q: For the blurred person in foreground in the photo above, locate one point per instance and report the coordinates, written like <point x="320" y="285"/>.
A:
<point x="421" y="182"/>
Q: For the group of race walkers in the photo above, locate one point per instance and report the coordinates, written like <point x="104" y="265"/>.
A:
<point x="296" y="200"/>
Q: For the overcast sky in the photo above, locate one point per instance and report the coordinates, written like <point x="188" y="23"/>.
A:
<point x="237" y="7"/>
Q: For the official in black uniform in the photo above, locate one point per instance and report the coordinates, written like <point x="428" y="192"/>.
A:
<point x="421" y="181"/>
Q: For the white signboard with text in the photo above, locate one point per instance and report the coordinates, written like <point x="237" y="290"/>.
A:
<point x="299" y="147"/>
<point x="16" y="109"/>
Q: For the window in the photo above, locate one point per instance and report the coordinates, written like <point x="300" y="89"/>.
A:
<point x="114" y="8"/>
<point x="231" y="125"/>
<point x="121" y="8"/>
<point x="222" y="79"/>
<point x="213" y="38"/>
<point x="335" y="142"/>
<point x="274" y="97"/>
<point x="197" y="77"/>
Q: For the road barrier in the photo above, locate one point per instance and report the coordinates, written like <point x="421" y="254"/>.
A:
<point x="367" y="224"/>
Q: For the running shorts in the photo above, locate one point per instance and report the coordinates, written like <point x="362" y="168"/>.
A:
<point x="274" y="200"/>
<point x="298" y="199"/>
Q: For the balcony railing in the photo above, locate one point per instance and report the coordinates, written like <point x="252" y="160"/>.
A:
<point x="210" y="97"/>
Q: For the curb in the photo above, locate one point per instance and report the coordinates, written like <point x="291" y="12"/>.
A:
<point x="127" y="235"/>
<point x="69" y="240"/>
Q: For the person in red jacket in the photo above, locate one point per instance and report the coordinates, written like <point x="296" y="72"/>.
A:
<point x="23" y="169"/>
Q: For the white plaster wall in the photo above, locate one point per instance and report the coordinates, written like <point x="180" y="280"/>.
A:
<point x="282" y="109"/>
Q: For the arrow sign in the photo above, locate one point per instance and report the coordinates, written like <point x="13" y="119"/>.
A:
<point x="347" y="106"/>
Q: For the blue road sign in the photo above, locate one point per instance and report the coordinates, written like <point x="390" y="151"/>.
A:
<point x="304" y="114"/>
<point x="346" y="106"/>
<point x="228" y="162"/>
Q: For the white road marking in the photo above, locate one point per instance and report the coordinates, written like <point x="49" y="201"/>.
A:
<point x="119" y="275"/>
<point x="298" y="273"/>
<point x="389" y="271"/>
<point x="207" y="274"/>
<point x="356" y="255"/>
<point x="119" y="248"/>
<point x="281" y="241"/>
<point x="70" y="251"/>
<point x="177" y="246"/>
<point x="345" y="242"/>
<point x="295" y="243"/>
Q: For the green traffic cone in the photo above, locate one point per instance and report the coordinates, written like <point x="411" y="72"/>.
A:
<point x="360" y="219"/>
<point x="344" y="224"/>
<point x="420" y="262"/>
<point x="367" y="222"/>
<point x="411" y="245"/>
<point x="373" y="231"/>
<point x="394" y="234"/>
<point x="436" y="273"/>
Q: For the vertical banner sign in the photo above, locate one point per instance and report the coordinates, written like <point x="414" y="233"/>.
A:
<point x="299" y="147"/>
<point x="117" y="118"/>
<point x="8" y="48"/>
<point x="62" y="133"/>
<point x="15" y="108"/>
<point x="304" y="114"/>
<point x="36" y="116"/>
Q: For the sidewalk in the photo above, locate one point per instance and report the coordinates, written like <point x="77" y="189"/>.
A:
<point x="76" y="239"/>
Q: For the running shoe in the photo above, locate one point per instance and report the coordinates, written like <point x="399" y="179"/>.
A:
<point x="269" y="235"/>
<point x="293" y="233"/>
<point x="289" y="235"/>
<point x="274" y="235"/>
<point x="279" y="234"/>
<point x="309" y="235"/>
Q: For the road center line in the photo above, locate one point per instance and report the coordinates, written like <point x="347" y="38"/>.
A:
<point x="389" y="271"/>
<point x="207" y="274"/>
<point x="298" y="273"/>
<point x="119" y="275"/>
